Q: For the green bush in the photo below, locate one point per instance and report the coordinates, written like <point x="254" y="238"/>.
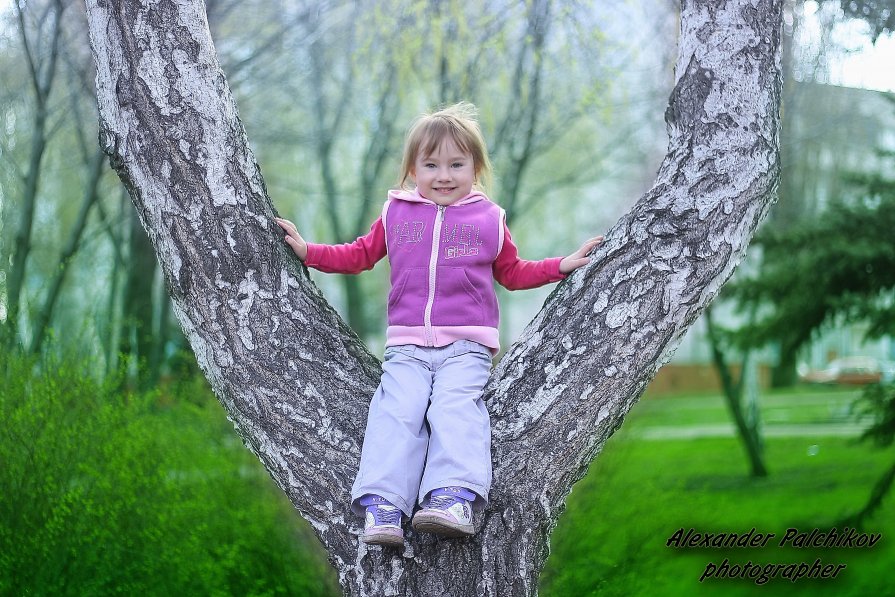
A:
<point x="102" y="493"/>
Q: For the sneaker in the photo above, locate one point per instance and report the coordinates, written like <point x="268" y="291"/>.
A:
<point x="383" y="526"/>
<point x="446" y="513"/>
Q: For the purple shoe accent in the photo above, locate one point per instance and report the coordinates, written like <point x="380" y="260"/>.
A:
<point x="447" y="512"/>
<point x="371" y="499"/>
<point x="460" y="492"/>
<point x="382" y="524"/>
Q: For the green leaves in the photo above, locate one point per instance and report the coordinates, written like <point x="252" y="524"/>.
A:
<point x="836" y="268"/>
<point x="138" y="494"/>
<point x="878" y="402"/>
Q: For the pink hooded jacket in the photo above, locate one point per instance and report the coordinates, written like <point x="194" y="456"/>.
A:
<point x="444" y="260"/>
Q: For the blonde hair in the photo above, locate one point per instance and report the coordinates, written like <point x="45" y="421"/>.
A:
<point x="460" y="124"/>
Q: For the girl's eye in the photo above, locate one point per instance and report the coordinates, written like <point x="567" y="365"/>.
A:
<point x="457" y="164"/>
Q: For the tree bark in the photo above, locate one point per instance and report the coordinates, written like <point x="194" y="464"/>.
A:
<point x="296" y="380"/>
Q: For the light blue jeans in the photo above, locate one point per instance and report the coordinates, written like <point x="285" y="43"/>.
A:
<point x="428" y="426"/>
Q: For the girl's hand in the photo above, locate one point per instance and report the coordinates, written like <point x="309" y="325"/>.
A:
<point x="293" y="238"/>
<point x="579" y="258"/>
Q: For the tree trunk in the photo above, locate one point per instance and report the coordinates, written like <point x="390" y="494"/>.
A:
<point x="137" y="338"/>
<point x="109" y="327"/>
<point x="785" y="374"/>
<point x="296" y="380"/>
<point x="748" y="428"/>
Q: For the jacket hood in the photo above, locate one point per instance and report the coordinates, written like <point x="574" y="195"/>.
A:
<point x="415" y="197"/>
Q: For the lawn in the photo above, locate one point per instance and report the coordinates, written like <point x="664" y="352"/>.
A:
<point x="612" y="538"/>
<point x="155" y="495"/>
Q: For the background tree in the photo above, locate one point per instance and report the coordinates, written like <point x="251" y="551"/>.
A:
<point x="832" y="270"/>
<point x="811" y="123"/>
<point x="815" y="117"/>
<point x="295" y="379"/>
<point x="40" y="31"/>
<point x="78" y="70"/>
<point x="742" y="405"/>
<point x="877" y="402"/>
<point x="836" y="269"/>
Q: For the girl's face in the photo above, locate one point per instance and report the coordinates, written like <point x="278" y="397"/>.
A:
<point x="445" y="176"/>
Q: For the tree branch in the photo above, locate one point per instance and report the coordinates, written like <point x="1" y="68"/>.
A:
<point x="296" y="381"/>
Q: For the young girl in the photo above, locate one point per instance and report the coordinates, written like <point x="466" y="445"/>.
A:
<point x="428" y="435"/>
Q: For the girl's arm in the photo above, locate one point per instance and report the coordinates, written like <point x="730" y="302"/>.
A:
<point x="347" y="258"/>
<point x="514" y="273"/>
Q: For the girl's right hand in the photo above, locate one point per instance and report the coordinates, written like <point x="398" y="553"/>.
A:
<point x="293" y="238"/>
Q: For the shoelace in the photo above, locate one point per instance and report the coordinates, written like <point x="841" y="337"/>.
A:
<point x="441" y="502"/>
<point x="392" y="516"/>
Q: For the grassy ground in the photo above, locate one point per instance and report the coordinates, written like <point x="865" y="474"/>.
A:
<point x="639" y="492"/>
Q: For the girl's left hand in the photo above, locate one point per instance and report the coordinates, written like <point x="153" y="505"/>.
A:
<point x="579" y="257"/>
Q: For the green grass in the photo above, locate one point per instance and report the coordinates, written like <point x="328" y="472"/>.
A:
<point x="155" y="495"/>
<point x="151" y="494"/>
<point x="612" y="538"/>
<point x="802" y="405"/>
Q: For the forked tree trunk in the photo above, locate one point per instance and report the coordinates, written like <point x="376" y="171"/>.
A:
<point x="296" y="381"/>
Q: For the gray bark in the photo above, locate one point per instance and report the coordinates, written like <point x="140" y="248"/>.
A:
<point x="296" y="381"/>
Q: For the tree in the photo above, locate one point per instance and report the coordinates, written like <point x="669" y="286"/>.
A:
<point x="296" y="380"/>
<point x="91" y="195"/>
<point x="745" y="413"/>
<point x="811" y="119"/>
<point x="329" y="116"/>
<point x="835" y="269"/>
<point x="78" y="68"/>
<point x="42" y="63"/>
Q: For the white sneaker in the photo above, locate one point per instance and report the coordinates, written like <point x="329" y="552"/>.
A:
<point x="446" y="515"/>
<point x="382" y="526"/>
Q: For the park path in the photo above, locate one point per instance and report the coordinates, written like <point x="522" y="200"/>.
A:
<point x="656" y="433"/>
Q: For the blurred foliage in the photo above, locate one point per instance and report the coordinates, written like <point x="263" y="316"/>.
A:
<point x="147" y="494"/>
<point x="878" y="402"/>
<point x="879" y="14"/>
<point x="836" y="268"/>
<point x="326" y="91"/>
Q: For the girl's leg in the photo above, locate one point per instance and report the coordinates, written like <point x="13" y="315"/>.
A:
<point x="396" y="437"/>
<point x="460" y="429"/>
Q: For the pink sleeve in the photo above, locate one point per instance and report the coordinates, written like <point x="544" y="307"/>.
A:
<point x="518" y="274"/>
<point x="349" y="258"/>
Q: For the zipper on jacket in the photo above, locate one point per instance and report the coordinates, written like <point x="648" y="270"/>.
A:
<point x="433" y="262"/>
